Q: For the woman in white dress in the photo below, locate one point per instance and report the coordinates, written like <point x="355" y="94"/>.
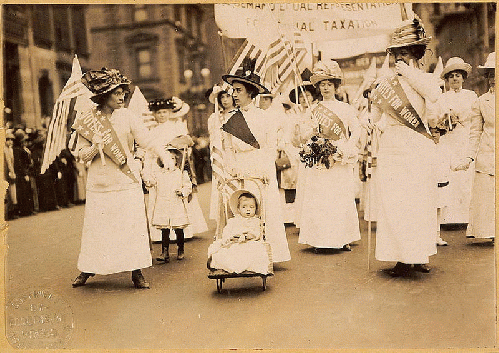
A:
<point x="454" y="114"/>
<point x="406" y="185"/>
<point x="114" y="236"/>
<point x="481" y="150"/>
<point x="224" y="108"/>
<point x="329" y="216"/>
<point x="257" y="159"/>
<point x="300" y="116"/>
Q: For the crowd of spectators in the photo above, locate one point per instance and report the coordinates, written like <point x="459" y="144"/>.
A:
<point x="61" y="185"/>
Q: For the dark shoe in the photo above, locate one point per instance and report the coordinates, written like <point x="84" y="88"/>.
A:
<point x="422" y="268"/>
<point x="82" y="279"/>
<point x="400" y="270"/>
<point x="180" y="256"/>
<point x="139" y="280"/>
<point x="164" y="257"/>
<point x="346" y="247"/>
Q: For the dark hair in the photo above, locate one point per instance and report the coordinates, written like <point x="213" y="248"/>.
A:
<point x="252" y="90"/>
<point x="248" y="196"/>
<point x="417" y="50"/>
<point x="462" y="72"/>
<point x="178" y="159"/>
<point x="336" y="82"/>
<point x="219" y="99"/>
<point x="101" y="99"/>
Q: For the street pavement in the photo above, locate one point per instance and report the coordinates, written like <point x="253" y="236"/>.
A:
<point x="322" y="300"/>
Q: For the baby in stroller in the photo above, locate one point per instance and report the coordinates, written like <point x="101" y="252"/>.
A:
<point x="242" y="247"/>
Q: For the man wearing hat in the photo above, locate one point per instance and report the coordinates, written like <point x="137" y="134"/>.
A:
<point x="255" y="157"/>
<point x="481" y="150"/>
<point x="453" y="111"/>
<point x="23" y="163"/>
<point x="406" y="184"/>
<point x="10" y="177"/>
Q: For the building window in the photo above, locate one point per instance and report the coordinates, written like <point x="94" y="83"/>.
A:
<point x="199" y="24"/>
<point x="177" y="13"/>
<point x="61" y="25"/>
<point x="140" y="13"/>
<point x="144" y="63"/>
<point x="181" y="64"/>
<point x="79" y="30"/>
<point x="42" y="26"/>
<point x="46" y="94"/>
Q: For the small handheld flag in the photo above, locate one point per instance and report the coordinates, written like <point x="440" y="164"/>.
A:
<point x="238" y="127"/>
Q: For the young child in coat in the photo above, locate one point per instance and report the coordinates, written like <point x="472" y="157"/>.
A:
<point x="169" y="212"/>
<point x="242" y="247"/>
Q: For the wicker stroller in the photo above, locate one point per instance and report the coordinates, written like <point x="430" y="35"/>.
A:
<point x="230" y="189"/>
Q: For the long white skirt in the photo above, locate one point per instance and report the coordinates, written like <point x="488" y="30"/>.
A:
<point x="329" y="216"/>
<point x="300" y="188"/>
<point x="458" y="193"/>
<point x="482" y="213"/>
<point x="114" y="237"/>
<point x="406" y="191"/>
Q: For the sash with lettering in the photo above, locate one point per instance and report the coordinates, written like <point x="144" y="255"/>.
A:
<point x="390" y="97"/>
<point x="89" y="123"/>
<point x="330" y="124"/>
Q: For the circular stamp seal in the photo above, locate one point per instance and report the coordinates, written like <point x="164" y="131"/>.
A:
<point x="39" y="319"/>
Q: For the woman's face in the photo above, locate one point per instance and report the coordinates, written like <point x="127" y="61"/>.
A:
<point x="455" y="79"/>
<point x="116" y="99"/>
<point x="491" y="78"/>
<point x="303" y="98"/>
<point x="241" y="96"/>
<point x="227" y="101"/>
<point x="327" y="89"/>
<point x="403" y="54"/>
<point x="162" y="115"/>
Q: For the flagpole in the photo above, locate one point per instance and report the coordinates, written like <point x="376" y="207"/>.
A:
<point x="369" y="136"/>
<point x="295" y="65"/>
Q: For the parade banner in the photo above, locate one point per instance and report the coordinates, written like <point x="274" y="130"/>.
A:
<point x="330" y="124"/>
<point x="390" y="97"/>
<point x="88" y="124"/>
<point x="318" y="21"/>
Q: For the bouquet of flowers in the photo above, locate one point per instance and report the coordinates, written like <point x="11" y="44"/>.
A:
<point x="319" y="151"/>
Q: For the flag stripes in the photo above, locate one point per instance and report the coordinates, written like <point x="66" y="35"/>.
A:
<point x="275" y="64"/>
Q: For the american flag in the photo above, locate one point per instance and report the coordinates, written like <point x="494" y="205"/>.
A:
<point x="276" y="62"/>
<point x="65" y="110"/>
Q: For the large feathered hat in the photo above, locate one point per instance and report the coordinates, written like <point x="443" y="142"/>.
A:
<point x="161" y="103"/>
<point x="104" y="80"/>
<point x="245" y="73"/>
<point x="326" y="70"/>
<point x="409" y="33"/>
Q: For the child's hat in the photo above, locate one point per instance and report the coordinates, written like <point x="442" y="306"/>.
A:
<point x="234" y="200"/>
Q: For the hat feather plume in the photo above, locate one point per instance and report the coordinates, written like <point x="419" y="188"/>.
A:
<point x="248" y="64"/>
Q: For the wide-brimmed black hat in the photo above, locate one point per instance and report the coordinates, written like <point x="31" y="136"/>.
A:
<point x="307" y="86"/>
<point x="245" y="73"/>
<point x="104" y="80"/>
<point x="161" y="103"/>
